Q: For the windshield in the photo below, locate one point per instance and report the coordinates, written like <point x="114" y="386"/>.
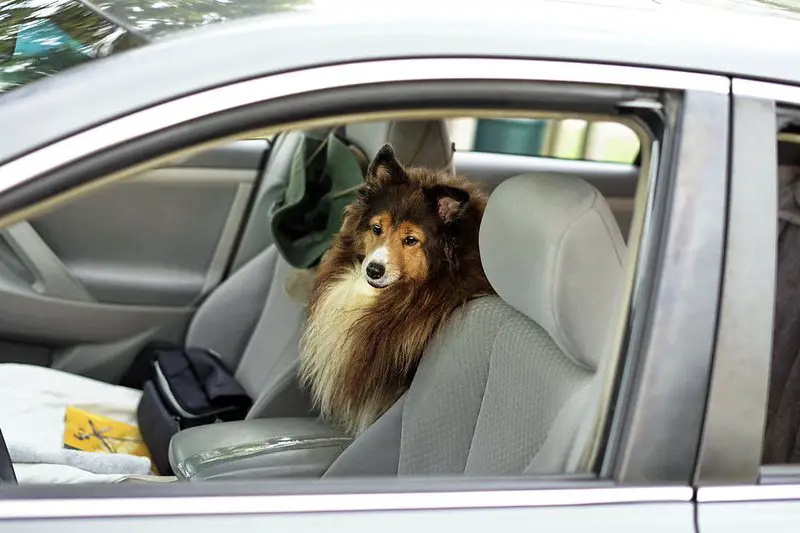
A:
<point x="42" y="37"/>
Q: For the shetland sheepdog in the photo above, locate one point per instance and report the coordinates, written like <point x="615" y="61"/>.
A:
<point x="405" y="258"/>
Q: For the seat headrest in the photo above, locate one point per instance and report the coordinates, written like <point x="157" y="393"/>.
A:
<point x="552" y="250"/>
<point x="415" y="142"/>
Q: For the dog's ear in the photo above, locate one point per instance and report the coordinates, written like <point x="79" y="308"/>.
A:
<point x="385" y="168"/>
<point x="450" y="202"/>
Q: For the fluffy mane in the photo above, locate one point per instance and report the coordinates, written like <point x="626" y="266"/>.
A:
<point x="362" y="345"/>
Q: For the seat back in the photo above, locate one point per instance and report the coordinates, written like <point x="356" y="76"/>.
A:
<point x="254" y="319"/>
<point x="506" y="388"/>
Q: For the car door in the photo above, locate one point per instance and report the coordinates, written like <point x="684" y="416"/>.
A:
<point x="644" y="478"/>
<point x="740" y="486"/>
<point x="85" y="286"/>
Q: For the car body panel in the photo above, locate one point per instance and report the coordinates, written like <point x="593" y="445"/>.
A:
<point x="245" y="49"/>
<point x="768" y="508"/>
<point x="693" y="243"/>
<point x="741" y="516"/>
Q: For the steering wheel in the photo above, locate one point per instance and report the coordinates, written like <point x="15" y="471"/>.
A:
<point x="7" y="474"/>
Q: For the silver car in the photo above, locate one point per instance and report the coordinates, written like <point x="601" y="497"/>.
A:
<point x="135" y="189"/>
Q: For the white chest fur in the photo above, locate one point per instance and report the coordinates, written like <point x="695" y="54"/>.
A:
<point x="327" y="344"/>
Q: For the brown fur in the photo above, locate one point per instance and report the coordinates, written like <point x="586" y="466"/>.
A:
<point x="362" y="345"/>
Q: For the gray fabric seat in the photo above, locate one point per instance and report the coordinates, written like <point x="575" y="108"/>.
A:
<point x="253" y="319"/>
<point x="508" y="386"/>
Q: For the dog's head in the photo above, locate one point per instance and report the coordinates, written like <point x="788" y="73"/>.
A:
<point x="408" y="222"/>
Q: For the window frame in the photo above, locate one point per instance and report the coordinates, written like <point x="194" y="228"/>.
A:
<point x="735" y="417"/>
<point x="745" y="479"/>
<point x="74" y="162"/>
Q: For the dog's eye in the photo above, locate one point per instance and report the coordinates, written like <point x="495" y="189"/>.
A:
<point x="376" y="229"/>
<point x="410" y="241"/>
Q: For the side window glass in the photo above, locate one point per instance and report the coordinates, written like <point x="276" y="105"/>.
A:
<point x="782" y="432"/>
<point x="573" y="138"/>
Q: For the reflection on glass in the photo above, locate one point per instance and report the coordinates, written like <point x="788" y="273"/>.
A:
<point x="156" y="17"/>
<point x="42" y="37"/>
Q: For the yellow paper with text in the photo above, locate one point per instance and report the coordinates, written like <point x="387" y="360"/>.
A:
<point x="95" y="433"/>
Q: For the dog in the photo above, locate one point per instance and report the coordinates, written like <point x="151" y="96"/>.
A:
<point x="406" y="256"/>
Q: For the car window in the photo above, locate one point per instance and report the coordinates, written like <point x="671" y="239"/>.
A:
<point x="570" y="138"/>
<point x="782" y="424"/>
<point x="39" y="39"/>
<point x="134" y="275"/>
<point x="143" y="265"/>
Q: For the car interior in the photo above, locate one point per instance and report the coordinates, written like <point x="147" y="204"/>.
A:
<point x="782" y="423"/>
<point x="184" y="254"/>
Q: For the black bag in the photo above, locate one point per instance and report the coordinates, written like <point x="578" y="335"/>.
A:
<point x="189" y="387"/>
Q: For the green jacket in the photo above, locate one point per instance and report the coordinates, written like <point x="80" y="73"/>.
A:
<point x="325" y="177"/>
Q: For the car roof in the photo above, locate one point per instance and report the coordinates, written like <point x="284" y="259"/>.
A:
<point x="735" y="37"/>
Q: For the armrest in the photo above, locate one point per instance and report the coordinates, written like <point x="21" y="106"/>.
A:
<point x="255" y="449"/>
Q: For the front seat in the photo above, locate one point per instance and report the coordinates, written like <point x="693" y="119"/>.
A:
<point x="512" y="384"/>
<point x="268" y="361"/>
<point x="252" y="320"/>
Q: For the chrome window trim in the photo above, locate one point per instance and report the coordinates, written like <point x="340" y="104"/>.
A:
<point x="182" y="110"/>
<point x="305" y="503"/>
<point x="748" y="493"/>
<point x="778" y="92"/>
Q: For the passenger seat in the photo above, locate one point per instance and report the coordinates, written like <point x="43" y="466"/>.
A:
<point x="512" y="385"/>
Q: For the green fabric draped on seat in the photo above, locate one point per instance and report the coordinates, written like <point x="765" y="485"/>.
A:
<point x="325" y="177"/>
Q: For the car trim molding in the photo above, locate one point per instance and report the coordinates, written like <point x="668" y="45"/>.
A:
<point x="182" y="110"/>
<point x="746" y="493"/>
<point x="786" y="94"/>
<point x="16" y="509"/>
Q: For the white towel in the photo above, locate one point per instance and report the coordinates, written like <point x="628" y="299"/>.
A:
<point x="33" y="402"/>
<point x="44" y="474"/>
<point x="94" y="462"/>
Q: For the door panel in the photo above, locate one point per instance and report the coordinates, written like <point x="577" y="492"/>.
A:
<point x="152" y="240"/>
<point x="616" y="181"/>
<point x="776" y="514"/>
<point x="92" y="281"/>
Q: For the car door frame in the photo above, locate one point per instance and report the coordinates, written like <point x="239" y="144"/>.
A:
<point x="676" y="289"/>
<point x="734" y="489"/>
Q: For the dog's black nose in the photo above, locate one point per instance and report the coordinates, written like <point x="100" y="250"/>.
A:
<point x="375" y="270"/>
